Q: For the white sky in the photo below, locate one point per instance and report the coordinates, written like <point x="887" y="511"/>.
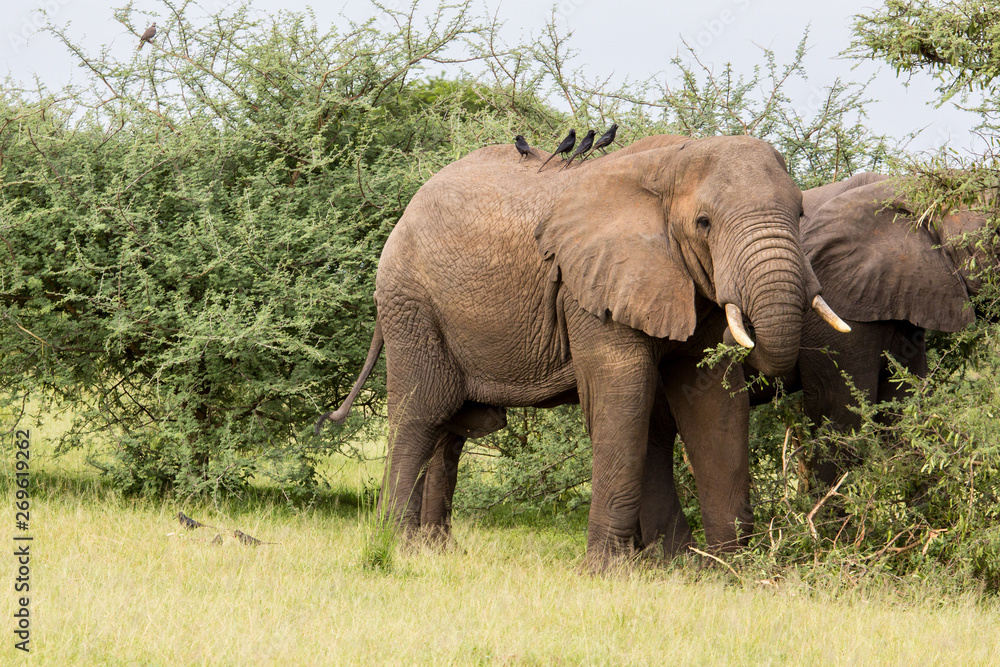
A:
<point x="626" y="38"/>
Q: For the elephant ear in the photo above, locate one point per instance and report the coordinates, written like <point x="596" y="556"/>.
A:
<point x="874" y="265"/>
<point x="607" y="234"/>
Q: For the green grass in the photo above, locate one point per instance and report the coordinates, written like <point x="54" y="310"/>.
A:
<point x="115" y="580"/>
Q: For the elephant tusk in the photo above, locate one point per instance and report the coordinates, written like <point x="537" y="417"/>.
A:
<point x="735" y="318"/>
<point x="824" y="310"/>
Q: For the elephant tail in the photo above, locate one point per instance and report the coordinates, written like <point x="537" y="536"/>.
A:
<point x="340" y="414"/>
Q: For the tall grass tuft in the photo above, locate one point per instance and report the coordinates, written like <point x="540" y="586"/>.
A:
<point x="382" y="538"/>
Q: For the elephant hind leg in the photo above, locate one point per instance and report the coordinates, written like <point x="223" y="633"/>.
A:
<point x="439" y="489"/>
<point x="424" y="390"/>
<point x="473" y="420"/>
<point x="412" y="473"/>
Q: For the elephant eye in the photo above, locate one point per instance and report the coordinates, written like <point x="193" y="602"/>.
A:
<point x="704" y="224"/>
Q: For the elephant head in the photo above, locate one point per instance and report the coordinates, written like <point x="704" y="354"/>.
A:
<point x="876" y="263"/>
<point x="637" y="235"/>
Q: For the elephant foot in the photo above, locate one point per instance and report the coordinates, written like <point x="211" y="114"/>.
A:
<point x="613" y="556"/>
<point x="666" y="548"/>
<point x="436" y="537"/>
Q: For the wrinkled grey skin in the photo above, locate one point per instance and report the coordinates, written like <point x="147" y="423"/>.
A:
<point x="889" y="281"/>
<point x="603" y="284"/>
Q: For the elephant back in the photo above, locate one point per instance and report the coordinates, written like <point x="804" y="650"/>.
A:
<point x="814" y="198"/>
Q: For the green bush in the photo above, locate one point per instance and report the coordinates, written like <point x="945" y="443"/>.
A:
<point x="194" y="235"/>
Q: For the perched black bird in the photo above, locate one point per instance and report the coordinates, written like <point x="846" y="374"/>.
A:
<point x="521" y="144"/>
<point x="565" y="147"/>
<point x="188" y="522"/>
<point x="148" y="35"/>
<point x="588" y="141"/>
<point x="606" y="138"/>
<point x="247" y="540"/>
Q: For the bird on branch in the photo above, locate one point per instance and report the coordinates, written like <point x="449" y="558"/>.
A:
<point x="147" y="36"/>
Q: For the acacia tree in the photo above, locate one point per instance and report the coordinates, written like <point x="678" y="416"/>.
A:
<point x="193" y="236"/>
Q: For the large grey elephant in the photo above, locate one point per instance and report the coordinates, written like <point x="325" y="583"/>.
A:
<point x="890" y="279"/>
<point x="602" y="283"/>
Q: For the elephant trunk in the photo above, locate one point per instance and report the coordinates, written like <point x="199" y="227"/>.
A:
<point x="771" y="295"/>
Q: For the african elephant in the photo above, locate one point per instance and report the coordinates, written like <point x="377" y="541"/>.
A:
<point x="891" y="279"/>
<point x="602" y="283"/>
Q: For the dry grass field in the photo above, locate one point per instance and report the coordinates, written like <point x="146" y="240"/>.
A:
<point x="115" y="580"/>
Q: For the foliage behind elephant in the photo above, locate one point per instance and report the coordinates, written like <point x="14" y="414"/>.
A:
<point x="602" y="283"/>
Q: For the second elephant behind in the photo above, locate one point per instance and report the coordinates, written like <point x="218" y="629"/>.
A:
<point x="892" y="278"/>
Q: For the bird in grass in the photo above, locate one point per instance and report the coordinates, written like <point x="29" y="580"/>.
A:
<point x="147" y="36"/>
<point x="189" y="523"/>
<point x="565" y="147"/>
<point x="606" y="138"/>
<point x="588" y="141"/>
<point x="521" y="144"/>
<point x="248" y="540"/>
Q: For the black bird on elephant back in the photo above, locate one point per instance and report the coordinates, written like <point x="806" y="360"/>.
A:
<point x="521" y="144"/>
<point x="606" y="139"/>
<point x="891" y="279"/>
<point x="564" y="147"/>
<point x="601" y="287"/>
<point x="588" y="141"/>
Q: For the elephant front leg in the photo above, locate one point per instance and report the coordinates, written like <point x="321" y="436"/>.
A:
<point x="616" y="380"/>
<point x="661" y="517"/>
<point x="714" y="423"/>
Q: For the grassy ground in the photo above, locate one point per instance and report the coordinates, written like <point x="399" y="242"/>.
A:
<point x="114" y="580"/>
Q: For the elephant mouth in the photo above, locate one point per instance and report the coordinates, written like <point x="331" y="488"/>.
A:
<point x="741" y="330"/>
